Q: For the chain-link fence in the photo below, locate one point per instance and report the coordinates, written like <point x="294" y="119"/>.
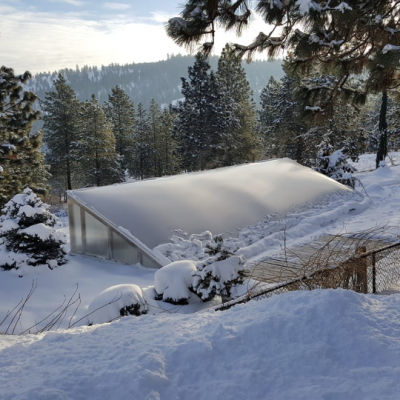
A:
<point x="370" y="272"/>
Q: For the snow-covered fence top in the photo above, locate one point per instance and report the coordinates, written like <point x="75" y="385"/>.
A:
<point x="220" y="200"/>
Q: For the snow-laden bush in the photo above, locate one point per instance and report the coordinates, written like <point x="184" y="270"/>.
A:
<point x="174" y="282"/>
<point x="196" y="247"/>
<point x="218" y="277"/>
<point x="115" y="302"/>
<point x="335" y="166"/>
<point x="218" y="249"/>
<point x="27" y="236"/>
<point x="216" y="273"/>
<point x="181" y="248"/>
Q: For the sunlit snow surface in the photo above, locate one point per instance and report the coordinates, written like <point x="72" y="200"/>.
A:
<point x="220" y="200"/>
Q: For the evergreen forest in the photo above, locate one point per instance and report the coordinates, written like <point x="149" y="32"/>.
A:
<point x="143" y="82"/>
<point x="120" y="123"/>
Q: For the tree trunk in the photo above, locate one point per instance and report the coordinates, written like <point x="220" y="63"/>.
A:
<point x="382" y="149"/>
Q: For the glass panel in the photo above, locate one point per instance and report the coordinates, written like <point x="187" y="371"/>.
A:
<point x="76" y="229"/>
<point x="122" y="251"/>
<point x="96" y="237"/>
<point x="147" y="262"/>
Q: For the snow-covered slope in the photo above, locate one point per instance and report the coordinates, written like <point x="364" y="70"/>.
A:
<point x="335" y="345"/>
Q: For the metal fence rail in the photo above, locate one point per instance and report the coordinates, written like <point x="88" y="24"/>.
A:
<point x="370" y="272"/>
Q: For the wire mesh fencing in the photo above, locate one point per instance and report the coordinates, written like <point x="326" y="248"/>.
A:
<point x="371" y="271"/>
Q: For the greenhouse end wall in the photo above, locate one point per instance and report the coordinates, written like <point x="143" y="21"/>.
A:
<point x="91" y="236"/>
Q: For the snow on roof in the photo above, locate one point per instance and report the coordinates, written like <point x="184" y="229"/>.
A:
<point x="220" y="200"/>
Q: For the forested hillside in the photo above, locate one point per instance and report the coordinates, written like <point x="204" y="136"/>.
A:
<point x="143" y="82"/>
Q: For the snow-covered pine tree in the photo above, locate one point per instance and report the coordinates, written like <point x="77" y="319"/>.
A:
<point x="61" y="126"/>
<point x="219" y="272"/>
<point x="334" y="163"/>
<point x="268" y="113"/>
<point x="21" y="160"/>
<point x="343" y="38"/>
<point x="96" y="147"/>
<point x="27" y="233"/>
<point x="121" y="112"/>
<point x="341" y="121"/>
<point x="200" y="121"/>
<point x="240" y="141"/>
<point x="288" y="124"/>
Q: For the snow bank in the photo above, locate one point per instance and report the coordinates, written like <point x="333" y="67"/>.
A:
<point x="107" y="305"/>
<point x="174" y="280"/>
<point x="331" y="344"/>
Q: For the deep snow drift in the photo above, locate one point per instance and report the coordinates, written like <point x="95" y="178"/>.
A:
<point x="335" y="345"/>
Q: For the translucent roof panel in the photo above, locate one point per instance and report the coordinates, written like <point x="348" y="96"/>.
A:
<point x="220" y="200"/>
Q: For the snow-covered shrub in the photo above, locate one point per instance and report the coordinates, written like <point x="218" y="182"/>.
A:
<point x="218" y="277"/>
<point x="27" y="234"/>
<point x="217" y="270"/>
<point x="197" y="247"/>
<point x="335" y="166"/>
<point x="174" y="282"/>
<point x="115" y="302"/>
<point x="182" y="248"/>
<point x="218" y="249"/>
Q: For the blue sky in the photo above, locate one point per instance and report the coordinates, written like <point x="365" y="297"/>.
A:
<point x="90" y="9"/>
<point x="46" y="35"/>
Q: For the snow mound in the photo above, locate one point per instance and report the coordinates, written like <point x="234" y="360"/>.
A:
<point x="116" y="301"/>
<point x="174" y="280"/>
<point x="383" y="172"/>
<point x="331" y="344"/>
<point x="375" y="190"/>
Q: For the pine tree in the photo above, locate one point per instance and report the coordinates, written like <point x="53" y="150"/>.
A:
<point x="268" y="113"/>
<point x="61" y="126"/>
<point x="288" y="124"/>
<point x="27" y="233"/>
<point x="334" y="164"/>
<point x="21" y="159"/>
<point x="96" y="147"/>
<point x="143" y="151"/>
<point x="121" y="112"/>
<point x="340" y="38"/>
<point x="201" y="121"/>
<point x="220" y="271"/>
<point x="169" y="162"/>
<point x="154" y="124"/>
<point x="240" y="137"/>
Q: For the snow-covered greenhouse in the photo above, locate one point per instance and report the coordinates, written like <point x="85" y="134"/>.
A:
<point x="125" y="222"/>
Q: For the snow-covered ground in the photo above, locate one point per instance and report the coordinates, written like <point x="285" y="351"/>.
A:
<point x="305" y="345"/>
<point x="335" y="345"/>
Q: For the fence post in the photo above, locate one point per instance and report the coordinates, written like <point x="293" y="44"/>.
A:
<point x="373" y="273"/>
